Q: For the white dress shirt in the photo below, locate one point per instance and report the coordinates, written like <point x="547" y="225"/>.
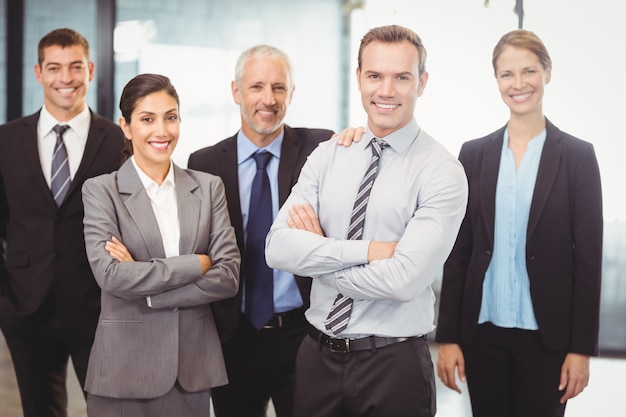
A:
<point x="165" y="207"/>
<point x="418" y="199"/>
<point x="75" y="139"/>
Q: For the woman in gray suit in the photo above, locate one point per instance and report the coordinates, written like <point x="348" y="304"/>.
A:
<point x="161" y="246"/>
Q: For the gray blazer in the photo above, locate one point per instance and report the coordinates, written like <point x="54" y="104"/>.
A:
<point x="140" y="352"/>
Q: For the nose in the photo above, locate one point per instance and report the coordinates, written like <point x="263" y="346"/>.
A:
<point x="518" y="82"/>
<point x="65" y="75"/>
<point x="268" y="96"/>
<point x="387" y="88"/>
<point x="160" y="128"/>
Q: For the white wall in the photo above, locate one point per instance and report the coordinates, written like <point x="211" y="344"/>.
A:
<point x="461" y="101"/>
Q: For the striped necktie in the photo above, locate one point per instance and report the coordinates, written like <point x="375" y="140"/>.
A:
<point x="60" y="175"/>
<point x="339" y="315"/>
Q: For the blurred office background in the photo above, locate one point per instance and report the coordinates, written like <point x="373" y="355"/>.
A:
<point x="196" y="43"/>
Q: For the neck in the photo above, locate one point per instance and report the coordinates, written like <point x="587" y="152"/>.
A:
<point x="259" y="139"/>
<point x="63" y="114"/>
<point x="156" y="172"/>
<point x="525" y="128"/>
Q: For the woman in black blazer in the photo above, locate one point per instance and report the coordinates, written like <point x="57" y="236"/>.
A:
<point x="519" y="307"/>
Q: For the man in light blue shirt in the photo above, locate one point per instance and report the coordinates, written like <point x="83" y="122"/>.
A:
<point x="260" y="348"/>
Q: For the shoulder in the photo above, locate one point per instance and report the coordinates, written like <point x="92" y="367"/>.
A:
<point x="307" y="135"/>
<point x="473" y="145"/>
<point x="22" y="122"/>
<point x="101" y="123"/>
<point x="213" y="151"/>
<point x="306" y="138"/>
<point x="430" y="152"/>
<point x="569" y="142"/>
<point x="201" y="179"/>
<point x="200" y="176"/>
<point x="303" y="141"/>
<point x="100" y="182"/>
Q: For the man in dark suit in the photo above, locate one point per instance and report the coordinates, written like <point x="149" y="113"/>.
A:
<point x="50" y="301"/>
<point x="260" y="358"/>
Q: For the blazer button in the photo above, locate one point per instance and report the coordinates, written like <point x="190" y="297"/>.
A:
<point x="175" y="309"/>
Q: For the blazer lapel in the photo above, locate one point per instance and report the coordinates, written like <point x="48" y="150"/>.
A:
<point x="229" y="173"/>
<point x="31" y="152"/>
<point x="489" y="179"/>
<point x="288" y="156"/>
<point x="549" y="166"/>
<point x="188" y="210"/>
<point x="139" y="208"/>
<point x="94" y="141"/>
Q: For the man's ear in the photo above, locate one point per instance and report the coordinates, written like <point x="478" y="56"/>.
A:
<point x="234" y="88"/>
<point x="422" y="83"/>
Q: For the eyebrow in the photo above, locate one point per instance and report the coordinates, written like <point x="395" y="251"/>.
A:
<point x="409" y="73"/>
<point x="47" y="64"/>
<point x="149" y="112"/>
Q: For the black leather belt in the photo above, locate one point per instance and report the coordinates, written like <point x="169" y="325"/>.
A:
<point x="352" y="345"/>
<point x="283" y="319"/>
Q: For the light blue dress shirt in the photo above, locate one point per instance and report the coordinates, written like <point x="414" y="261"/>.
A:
<point x="286" y="293"/>
<point x="506" y="298"/>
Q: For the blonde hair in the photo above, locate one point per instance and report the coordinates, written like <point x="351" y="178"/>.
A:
<point x="524" y="39"/>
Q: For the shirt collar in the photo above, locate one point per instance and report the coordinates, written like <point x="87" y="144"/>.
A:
<point x="535" y="142"/>
<point x="398" y="140"/>
<point x="79" y="123"/>
<point x="149" y="183"/>
<point x="245" y="147"/>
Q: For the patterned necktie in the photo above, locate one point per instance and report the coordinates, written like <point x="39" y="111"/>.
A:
<point x="339" y="315"/>
<point x="259" y="277"/>
<point x="60" y="175"/>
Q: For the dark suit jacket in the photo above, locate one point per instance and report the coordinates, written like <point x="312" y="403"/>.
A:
<point x="46" y="259"/>
<point x="563" y="249"/>
<point x="221" y="159"/>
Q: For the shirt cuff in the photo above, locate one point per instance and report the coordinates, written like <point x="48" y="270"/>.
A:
<point x="355" y="252"/>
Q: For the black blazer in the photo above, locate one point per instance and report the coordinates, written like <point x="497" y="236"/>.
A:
<point x="46" y="260"/>
<point x="563" y="249"/>
<point x="221" y="159"/>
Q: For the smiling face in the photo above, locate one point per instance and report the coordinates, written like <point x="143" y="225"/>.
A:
<point x="153" y="129"/>
<point x="263" y="94"/>
<point x="65" y="74"/>
<point x="390" y="83"/>
<point x="521" y="80"/>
